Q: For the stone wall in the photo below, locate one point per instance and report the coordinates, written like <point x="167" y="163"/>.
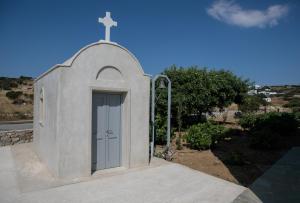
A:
<point x="15" y="137"/>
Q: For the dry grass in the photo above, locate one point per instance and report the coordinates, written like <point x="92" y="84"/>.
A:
<point x="278" y="101"/>
<point x="6" y="105"/>
<point x="10" y="111"/>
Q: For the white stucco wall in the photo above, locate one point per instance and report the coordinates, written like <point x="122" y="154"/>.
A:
<point x="81" y="75"/>
<point x="45" y="133"/>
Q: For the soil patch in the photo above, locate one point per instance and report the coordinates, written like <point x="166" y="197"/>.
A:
<point x="232" y="159"/>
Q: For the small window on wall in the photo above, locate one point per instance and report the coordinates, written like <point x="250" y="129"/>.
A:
<point x="42" y="106"/>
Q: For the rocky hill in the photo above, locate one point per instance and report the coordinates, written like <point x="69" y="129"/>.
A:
<point x="16" y="98"/>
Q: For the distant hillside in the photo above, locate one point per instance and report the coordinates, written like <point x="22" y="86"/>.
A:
<point x="287" y="90"/>
<point x="16" y="98"/>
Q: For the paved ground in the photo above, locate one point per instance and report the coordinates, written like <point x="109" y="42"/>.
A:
<point x="281" y="183"/>
<point x="15" y="126"/>
<point x="24" y="179"/>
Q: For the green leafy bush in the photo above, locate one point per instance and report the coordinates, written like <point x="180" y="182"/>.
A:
<point x="161" y="130"/>
<point x="247" y="121"/>
<point x="13" y="85"/>
<point x="204" y="135"/>
<point x="266" y="130"/>
<point x="294" y="104"/>
<point x="13" y="95"/>
<point x="19" y="101"/>
<point x="5" y="84"/>
<point x="251" y="104"/>
<point x="22" y="77"/>
<point x="285" y="124"/>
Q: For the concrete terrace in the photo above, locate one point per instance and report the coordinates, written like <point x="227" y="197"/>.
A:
<point x="23" y="178"/>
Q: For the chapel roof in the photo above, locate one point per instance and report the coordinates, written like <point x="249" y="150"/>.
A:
<point x="69" y="62"/>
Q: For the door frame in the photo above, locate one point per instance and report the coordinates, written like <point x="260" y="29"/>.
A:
<point x="125" y="124"/>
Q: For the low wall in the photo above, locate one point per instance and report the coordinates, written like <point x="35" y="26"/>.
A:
<point x="15" y="116"/>
<point x="15" y="137"/>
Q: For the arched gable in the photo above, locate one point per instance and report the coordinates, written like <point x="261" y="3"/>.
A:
<point x="68" y="63"/>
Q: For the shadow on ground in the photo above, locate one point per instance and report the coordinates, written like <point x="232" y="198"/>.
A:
<point x="272" y="175"/>
<point x="245" y="163"/>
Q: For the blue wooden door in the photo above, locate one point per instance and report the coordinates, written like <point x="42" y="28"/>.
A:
<point x="106" y="131"/>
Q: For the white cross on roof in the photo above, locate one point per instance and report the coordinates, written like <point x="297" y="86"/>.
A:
<point x="108" y="23"/>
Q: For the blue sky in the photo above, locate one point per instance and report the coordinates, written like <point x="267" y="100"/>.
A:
<point x="255" y="39"/>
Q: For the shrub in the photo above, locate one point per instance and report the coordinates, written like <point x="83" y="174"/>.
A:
<point x="22" y="77"/>
<point x="5" y="84"/>
<point x="294" y="104"/>
<point x="251" y="104"/>
<point x="247" y="121"/>
<point x="198" y="139"/>
<point x="161" y="130"/>
<point x="285" y="124"/>
<point x="19" y="101"/>
<point x="267" y="129"/>
<point x="13" y="95"/>
<point x="204" y="135"/>
<point x="13" y="85"/>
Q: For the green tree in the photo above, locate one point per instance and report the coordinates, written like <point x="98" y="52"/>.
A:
<point x="198" y="90"/>
<point x="251" y="104"/>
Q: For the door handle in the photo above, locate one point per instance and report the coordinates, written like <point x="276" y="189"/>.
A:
<point x="109" y="132"/>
